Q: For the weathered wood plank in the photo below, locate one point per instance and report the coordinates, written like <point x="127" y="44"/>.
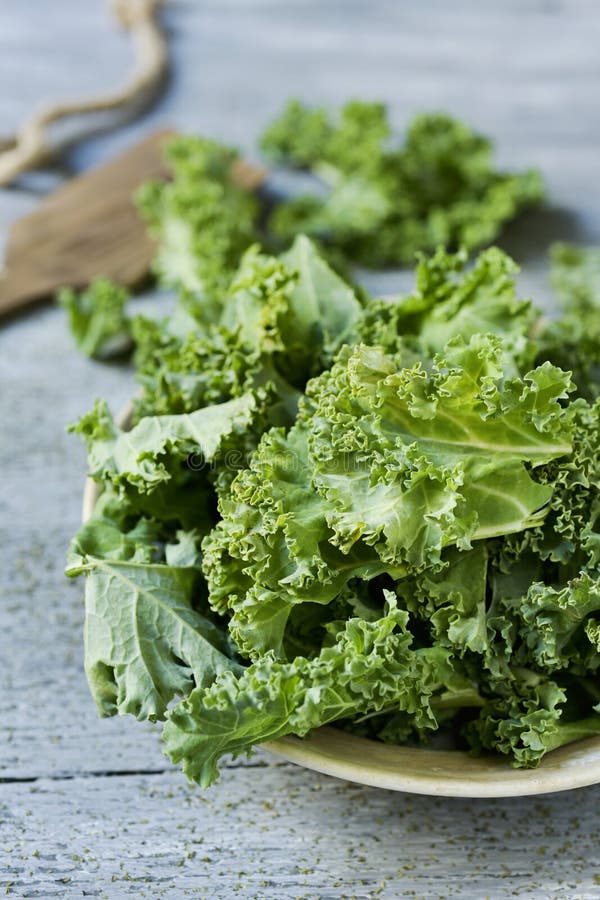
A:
<point x="270" y="833"/>
<point x="13" y="205"/>
<point x="528" y="73"/>
<point x="88" y="226"/>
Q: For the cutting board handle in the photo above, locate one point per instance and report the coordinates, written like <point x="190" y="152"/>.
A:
<point x="90" y="227"/>
<point x="87" y="228"/>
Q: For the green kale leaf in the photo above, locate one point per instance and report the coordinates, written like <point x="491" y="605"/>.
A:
<point x="145" y="640"/>
<point x="97" y="318"/>
<point x="372" y="666"/>
<point x="385" y="467"/>
<point x="572" y="341"/>
<point x="202" y="219"/>
<point x="279" y="322"/>
<point x="388" y="202"/>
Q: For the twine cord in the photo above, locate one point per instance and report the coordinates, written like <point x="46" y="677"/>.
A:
<point x="30" y="147"/>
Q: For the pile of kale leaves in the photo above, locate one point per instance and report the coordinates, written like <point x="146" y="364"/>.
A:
<point x="330" y="507"/>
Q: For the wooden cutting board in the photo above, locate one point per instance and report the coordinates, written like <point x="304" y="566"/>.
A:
<point x="89" y="228"/>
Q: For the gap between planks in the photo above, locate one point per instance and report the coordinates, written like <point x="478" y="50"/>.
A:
<point x="124" y="773"/>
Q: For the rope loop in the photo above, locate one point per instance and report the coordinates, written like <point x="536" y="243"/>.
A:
<point x="30" y="146"/>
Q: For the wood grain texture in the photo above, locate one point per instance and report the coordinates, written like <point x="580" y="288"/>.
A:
<point x="527" y="72"/>
<point x="274" y="833"/>
<point x="88" y="227"/>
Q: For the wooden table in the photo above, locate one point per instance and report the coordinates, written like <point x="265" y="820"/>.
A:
<point x="92" y="808"/>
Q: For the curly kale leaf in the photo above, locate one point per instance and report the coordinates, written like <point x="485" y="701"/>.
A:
<point x="570" y="534"/>
<point x="449" y="300"/>
<point x="387" y="202"/>
<point x="145" y="640"/>
<point x="267" y="552"/>
<point x="149" y="634"/>
<point x="452" y="600"/>
<point x="280" y="322"/>
<point x="306" y="137"/>
<point x="529" y="722"/>
<point x="372" y="666"/>
<point x="164" y="465"/>
<point x="558" y="626"/>
<point x="117" y="531"/>
<point x="385" y="467"/>
<point x="202" y="220"/>
<point x="294" y="309"/>
<point x="410" y="461"/>
<point x="97" y="318"/>
<point x="576" y="275"/>
<point x="573" y="340"/>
